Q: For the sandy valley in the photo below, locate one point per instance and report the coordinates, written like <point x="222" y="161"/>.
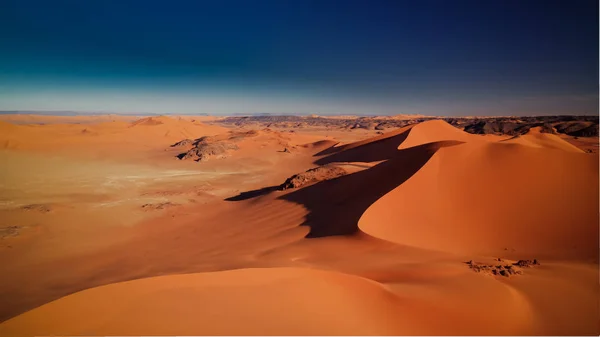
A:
<point x="193" y="225"/>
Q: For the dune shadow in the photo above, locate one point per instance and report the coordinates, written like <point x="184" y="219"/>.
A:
<point x="381" y="149"/>
<point x="370" y="151"/>
<point x="329" y="150"/>
<point x="336" y="205"/>
<point x="253" y="194"/>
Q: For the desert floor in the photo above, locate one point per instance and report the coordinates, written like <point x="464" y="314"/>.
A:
<point x="104" y="231"/>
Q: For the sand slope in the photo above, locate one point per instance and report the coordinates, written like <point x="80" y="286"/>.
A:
<point x="438" y="130"/>
<point x="496" y="198"/>
<point x="535" y="138"/>
<point x="117" y="135"/>
<point x="278" y="301"/>
<point x="394" y="235"/>
<point x="261" y="301"/>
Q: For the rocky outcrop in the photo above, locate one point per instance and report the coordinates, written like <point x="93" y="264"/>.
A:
<point x="578" y="129"/>
<point x="501" y="267"/>
<point x="182" y="143"/>
<point x="215" y="147"/>
<point x="580" y="126"/>
<point x="313" y="175"/>
<point x="501" y="127"/>
<point x="205" y="151"/>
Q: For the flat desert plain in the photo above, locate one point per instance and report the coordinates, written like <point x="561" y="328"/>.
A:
<point x="166" y="225"/>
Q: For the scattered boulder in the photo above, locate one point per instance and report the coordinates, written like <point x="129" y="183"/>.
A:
<point x="37" y="208"/>
<point x="159" y="206"/>
<point x="9" y="231"/>
<point x="502" y="269"/>
<point x="527" y="263"/>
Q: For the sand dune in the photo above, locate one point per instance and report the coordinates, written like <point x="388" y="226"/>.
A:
<point x="119" y="137"/>
<point x="150" y="121"/>
<point x="437" y="130"/>
<point x="453" y="202"/>
<point x="170" y="128"/>
<point x="275" y="301"/>
<point x="259" y="302"/>
<point x="380" y="249"/>
<point x="29" y="119"/>
<point x="535" y="138"/>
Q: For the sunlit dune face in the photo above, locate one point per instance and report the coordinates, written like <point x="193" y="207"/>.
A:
<point x="296" y="226"/>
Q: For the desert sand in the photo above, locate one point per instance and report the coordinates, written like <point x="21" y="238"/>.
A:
<point x="108" y="227"/>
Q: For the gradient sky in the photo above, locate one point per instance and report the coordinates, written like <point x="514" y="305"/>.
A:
<point x="449" y="57"/>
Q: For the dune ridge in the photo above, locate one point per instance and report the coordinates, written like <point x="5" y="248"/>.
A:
<point x="272" y="301"/>
<point x="462" y="186"/>
<point x="381" y="249"/>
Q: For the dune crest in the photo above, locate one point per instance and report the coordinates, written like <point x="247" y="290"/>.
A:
<point x="435" y="131"/>
<point x="273" y="301"/>
<point x="538" y="139"/>
<point x="488" y="198"/>
<point x="267" y="301"/>
<point x="149" y="121"/>
<point x="372" y="233"/>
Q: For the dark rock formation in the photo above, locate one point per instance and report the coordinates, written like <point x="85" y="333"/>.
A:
<point x="582" y="126"/>
<point x="204" y="151"/>
<point x="313" y="175"/>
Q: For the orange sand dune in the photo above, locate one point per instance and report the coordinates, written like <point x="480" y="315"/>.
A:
<point x="50" y="119"/>
<point x="369" y="150"/>
<point x="393" y="234"/>
<point x="535" y="138"/>
<point x="438" y="130"/>
<point x="277" y="301"/>
<point x="249" y="302"/>
<point x="170" y="128"/>
<point x="118" y="136"/>
<point x="495" y="198"/>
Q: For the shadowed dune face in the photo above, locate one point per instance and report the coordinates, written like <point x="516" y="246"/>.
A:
<point x="253" y="194"/>
<point x="333" y="206"/>
<point x="414" y="205"/>
<point x="496" y="198"/>
<point x="374" y="149"/>
<point x="437" y="130"/>
<point x="494" y="192"/>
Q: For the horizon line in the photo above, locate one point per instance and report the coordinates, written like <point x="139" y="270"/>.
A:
<point x="258" y="114"/>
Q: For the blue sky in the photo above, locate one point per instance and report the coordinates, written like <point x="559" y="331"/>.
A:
<point x="361" y="57"/>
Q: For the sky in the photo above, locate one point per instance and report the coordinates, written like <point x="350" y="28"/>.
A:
<point x="445" y="58"/>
